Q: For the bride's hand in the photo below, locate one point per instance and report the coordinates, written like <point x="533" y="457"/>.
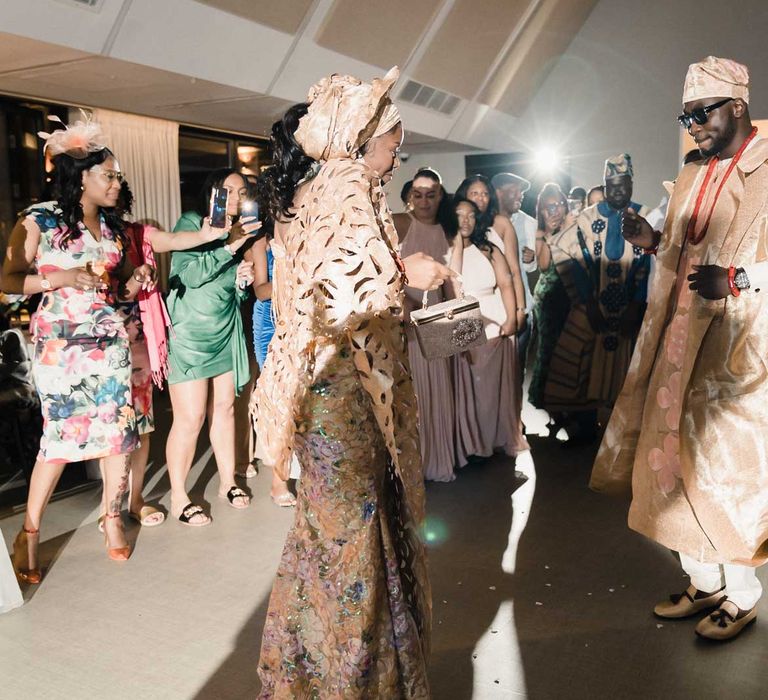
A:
<point x="424" y="272"/>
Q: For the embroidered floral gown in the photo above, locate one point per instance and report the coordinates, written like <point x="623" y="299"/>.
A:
<point x="349" y="611"/>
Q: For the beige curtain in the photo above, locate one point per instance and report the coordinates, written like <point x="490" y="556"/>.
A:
<point x="148" y="152"/>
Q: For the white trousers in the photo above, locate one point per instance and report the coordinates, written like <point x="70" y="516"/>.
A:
<point x="741" y="583"/>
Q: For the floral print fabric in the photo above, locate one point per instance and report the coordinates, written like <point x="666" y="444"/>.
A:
<point x="82" y="367"/>
<point x="342" y="622"/>
<point x="666" y="387"/>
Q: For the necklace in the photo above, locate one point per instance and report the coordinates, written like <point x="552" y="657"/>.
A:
<point x="691" y="234"/>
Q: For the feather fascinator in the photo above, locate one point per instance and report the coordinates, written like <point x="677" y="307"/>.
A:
<point x="78" y="140"/>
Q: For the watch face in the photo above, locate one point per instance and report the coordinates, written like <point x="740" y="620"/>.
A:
<point x="741" y="280"/>
<point x="45" y="284"/>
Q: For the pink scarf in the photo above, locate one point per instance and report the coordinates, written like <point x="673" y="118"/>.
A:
<point x="154" y="315"/>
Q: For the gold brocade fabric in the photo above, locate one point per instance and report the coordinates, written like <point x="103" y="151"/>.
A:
<point x="688" y="429"/>
<point x="344" y="113"/>
<point x="350" y="612"/>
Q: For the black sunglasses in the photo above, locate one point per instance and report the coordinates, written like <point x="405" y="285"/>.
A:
<point x="700" y="114"/>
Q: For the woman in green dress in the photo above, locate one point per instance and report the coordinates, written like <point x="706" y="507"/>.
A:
<point x="207" y="350"/>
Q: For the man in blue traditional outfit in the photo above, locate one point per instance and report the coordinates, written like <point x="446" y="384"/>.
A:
<point x="606" y="278"/>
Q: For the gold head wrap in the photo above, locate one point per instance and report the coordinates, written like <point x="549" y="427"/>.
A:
<point x="345" y="113"/>
<point x="716" y="77"/>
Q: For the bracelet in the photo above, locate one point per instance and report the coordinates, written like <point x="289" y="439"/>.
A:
<point x="735" y="291"/>
<point x="228" y="248"/>
<point x="653" y="249"/>
<point x="401" y="266"/>
<point x="520" y="308"/>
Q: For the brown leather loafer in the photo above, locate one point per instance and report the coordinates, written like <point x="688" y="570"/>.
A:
<point x="690" y="602"/>
<point x="725" y="622"/>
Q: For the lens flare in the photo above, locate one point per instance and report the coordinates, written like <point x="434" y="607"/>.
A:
<point x="434" y="531"/>
<point x="546" y="160"/>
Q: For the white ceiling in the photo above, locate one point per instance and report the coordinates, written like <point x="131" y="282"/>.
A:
<point x="236" y="66"/>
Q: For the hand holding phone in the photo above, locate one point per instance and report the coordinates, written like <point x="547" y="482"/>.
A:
<point x="242" y="232"/>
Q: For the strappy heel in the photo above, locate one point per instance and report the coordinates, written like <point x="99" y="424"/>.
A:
<point x="115" y="553"/>
<point x="30" y="574"/>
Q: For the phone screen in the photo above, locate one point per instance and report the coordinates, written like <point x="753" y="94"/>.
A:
<point x="249" y="209"/>
<point x="218" y="211"/>
<point x="574" y="206"/>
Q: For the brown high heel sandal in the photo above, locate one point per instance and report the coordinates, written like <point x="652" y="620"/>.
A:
<point x="115" y="553"/>
<point x="28" y="575"/>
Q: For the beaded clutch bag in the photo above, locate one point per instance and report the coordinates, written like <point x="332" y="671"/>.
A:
<point x="449" y="327"/>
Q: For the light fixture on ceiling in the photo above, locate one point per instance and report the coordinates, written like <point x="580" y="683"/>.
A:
<point x="247" y="154"/>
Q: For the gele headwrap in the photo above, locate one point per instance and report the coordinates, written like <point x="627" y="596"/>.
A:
<point x="618" y="166"/>
<point x="77" y="140"/>
<point x="345" y="113"/>
<point x="716" y="77"/>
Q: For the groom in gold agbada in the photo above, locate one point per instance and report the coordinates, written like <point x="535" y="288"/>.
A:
<point x="689" y="428"/>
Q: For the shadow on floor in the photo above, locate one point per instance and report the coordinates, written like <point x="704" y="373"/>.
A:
<point x="467" y="529"/>
<point x="237" y="676"/>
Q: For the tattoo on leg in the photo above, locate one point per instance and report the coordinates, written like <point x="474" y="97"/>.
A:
<point x="122" y="489"/>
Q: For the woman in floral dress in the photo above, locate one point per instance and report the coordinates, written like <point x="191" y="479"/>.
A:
<point x="81" y="363"/>
<point x="349" y="614"/>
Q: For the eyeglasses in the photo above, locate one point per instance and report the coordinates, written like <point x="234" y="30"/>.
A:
<point x="554" y="207"/>
<point x="700" y="114"/>
<point x="109" y="175"/>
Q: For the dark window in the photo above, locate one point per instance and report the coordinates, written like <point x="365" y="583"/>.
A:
<point x="202" y="150"/>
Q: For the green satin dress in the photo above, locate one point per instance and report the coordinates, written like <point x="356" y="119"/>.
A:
<point x="204" y="305"/>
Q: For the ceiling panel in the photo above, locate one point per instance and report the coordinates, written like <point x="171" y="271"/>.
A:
<point x="383" y="39"/>
<point x="466" y="45"/>
<point x="19" y="52"/>
<point x="529" y="61"/>
<point x="90" y="79"/>
<point x="283" y="15"/>
<point x="60" y="75"/>
<point x="251" y="115"/>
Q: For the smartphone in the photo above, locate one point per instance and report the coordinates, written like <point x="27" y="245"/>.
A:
<point x="249" y="209"/>
<point x="218" y="210"/>
<point x="574" y="206"/>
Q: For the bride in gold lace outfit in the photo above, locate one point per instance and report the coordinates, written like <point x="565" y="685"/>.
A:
<point x="349" y="614"/>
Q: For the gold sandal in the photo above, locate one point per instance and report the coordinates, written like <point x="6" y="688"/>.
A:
<point x="30" y="574"/>
<point x="144" y="515"/>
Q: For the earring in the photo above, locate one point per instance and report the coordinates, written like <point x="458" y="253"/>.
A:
<point x="82" y="188"/>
